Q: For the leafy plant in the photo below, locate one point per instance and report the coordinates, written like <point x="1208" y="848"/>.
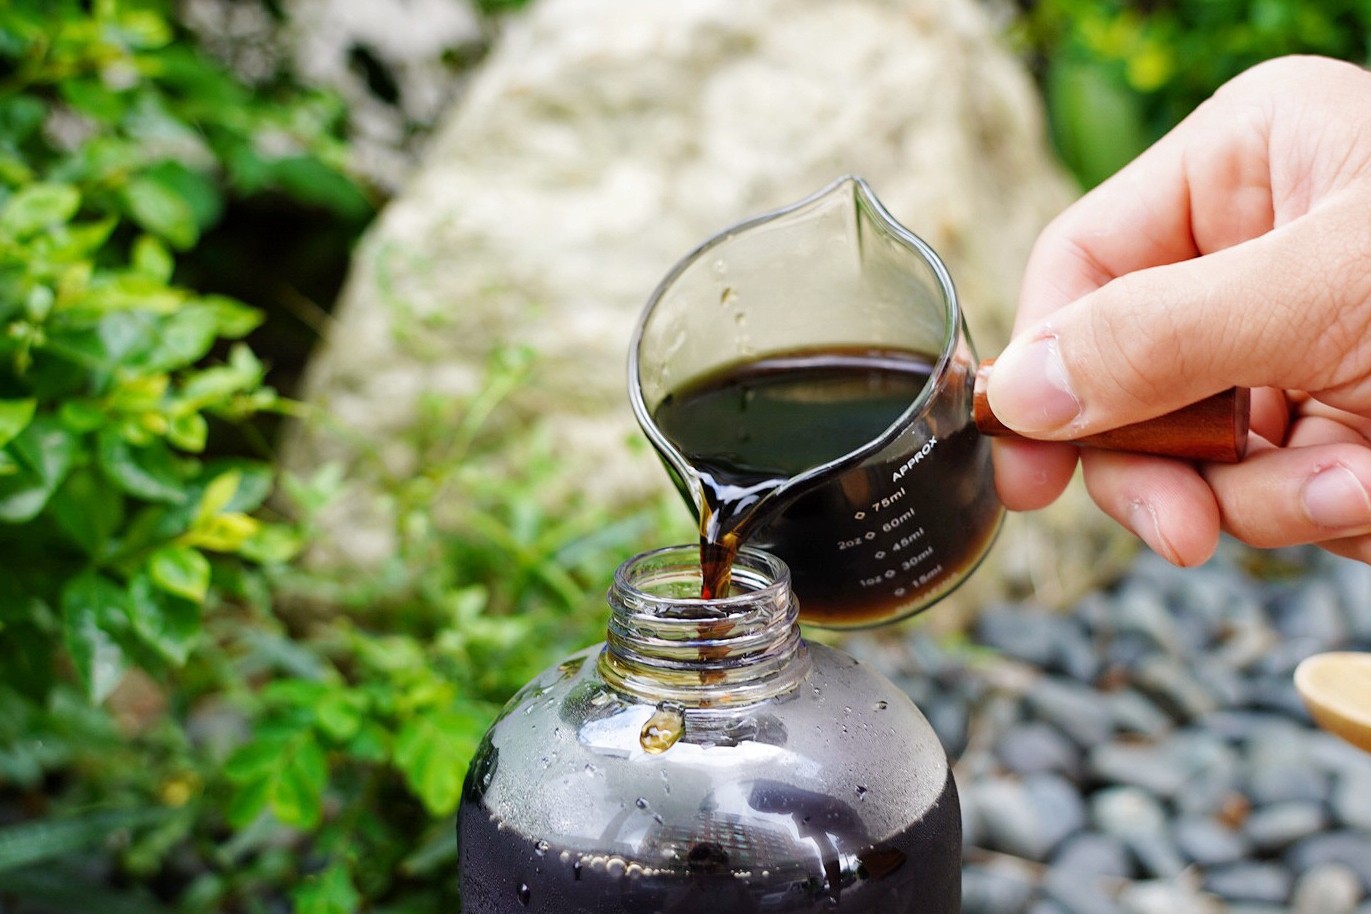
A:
<point x="1116" y="75"/>
<point x="117" y="147"/>
<point x="188" y="721"/>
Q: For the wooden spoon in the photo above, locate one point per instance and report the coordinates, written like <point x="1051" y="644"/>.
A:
<point x="1336" y="688"/>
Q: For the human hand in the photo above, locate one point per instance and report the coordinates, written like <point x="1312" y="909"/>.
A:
<point x="1234" y="252"/>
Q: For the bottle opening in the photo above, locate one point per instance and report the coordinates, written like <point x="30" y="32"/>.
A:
<point x="665" y="643"/>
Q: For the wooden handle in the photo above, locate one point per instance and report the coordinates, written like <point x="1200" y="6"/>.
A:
<point x="1214" y="429"/>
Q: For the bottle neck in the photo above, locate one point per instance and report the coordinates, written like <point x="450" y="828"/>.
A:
<point x="665" y="644"/>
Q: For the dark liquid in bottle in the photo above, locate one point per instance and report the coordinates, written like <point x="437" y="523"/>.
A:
<point x="896" y="528"/>
<point x="724" y="865"/>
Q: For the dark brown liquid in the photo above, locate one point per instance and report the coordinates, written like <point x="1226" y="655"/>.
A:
<point x="896" y="528"/>
<point x="722" y="864"/>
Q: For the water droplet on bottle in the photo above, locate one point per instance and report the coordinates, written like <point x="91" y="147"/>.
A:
<point x="882" y="705"/>
<point x="662" y="729"/>
<point x="861" y="791"/>
<point x="591" y="769"/>
<point x="540" y="848"/>
<point x="525" y="894"/>
<point x="641" y="803"/>
<point x="728" y="296"/>
<point x="576" y="871"/>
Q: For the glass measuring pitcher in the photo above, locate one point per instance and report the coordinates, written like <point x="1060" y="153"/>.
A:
<point x="807" y="378"/>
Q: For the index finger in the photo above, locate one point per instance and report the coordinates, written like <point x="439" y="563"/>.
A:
<point x="1203" y="187"/>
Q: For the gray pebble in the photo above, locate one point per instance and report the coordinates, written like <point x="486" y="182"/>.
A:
<point x="1267" y="784"/>
<point x="1163" y="898"/>
<point x="1312" y="611"/>
<point x="1032" y="747"/>
<point x="1092" y="854"/>
<point x="1276" y="827"/>
<point x="1071" y="707"/>
<point x="1079" y="896"/>
<point x="995" y="889"/>
<point x="1058" y="806"/>
<point x="1263" y="883"/>
<point x="1009" y="820"/>
<point x="1150" y="767"/>
<point x="1351" y="800"/>
<point x="1352" y="849"/>
<point x="1332" y="754"/>
<point x="1157" y="855"/>
<point x="1024" y="633"/>
<point x="1353" y="580"/>
<point x="1208" y="843"/>
<point x="1134" y="713"/>
<point x="1330" y="888"/>
<point x="1126" y="812"/>
<point x="948" y="717"/>
<point x="1169" y="682"/>
<point x="1139" y="609"/>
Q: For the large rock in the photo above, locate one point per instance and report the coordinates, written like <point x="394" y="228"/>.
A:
<point x="602" y="140"/>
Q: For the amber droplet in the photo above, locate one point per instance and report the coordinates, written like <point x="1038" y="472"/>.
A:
<point x="662" y="729"/>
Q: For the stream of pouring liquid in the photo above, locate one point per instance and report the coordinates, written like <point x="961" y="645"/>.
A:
<point x="726" y="515"/>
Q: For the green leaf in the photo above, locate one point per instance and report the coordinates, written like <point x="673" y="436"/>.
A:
<point x="44" y="451"/>
<point x="20" y="117"/>
<point x="432" y="752"/>
<point x="93" y="608"/>
<point x="26" y="656"/>
<point x="308" y="179"/>
<point x="185" y="337"/>
<point x="254" y="761"/>
<point x="331" y="892"/>
<point x="182" y="571"/>
<point x="32" y="843"/>
<point x="296" y="790"/>
<point x="1097" y="121"/>
<point x="339" y="714"/>
<point x="15" y="415"/>
<point x="147" y="472"/>
<point x="235" y="319"/>
<point x="152" y="259"/>
<point x="38" y="207"/>
<point x="189" y="432"/>
<point x="271" y="544"/>
<point x="218" y="494"/>
<point x="283" y="769"/>
<point x="247" y="802"/>
<point x="87" y="510"/>
<point x="169" y="624"/>
<point x="201" y="191"/>
<point x="159" y="209"/>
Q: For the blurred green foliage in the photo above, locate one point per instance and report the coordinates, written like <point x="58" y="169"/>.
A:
<point x="118" y="148"/>
<point x="1117" y="75"/>
<point x="188" y="722"/>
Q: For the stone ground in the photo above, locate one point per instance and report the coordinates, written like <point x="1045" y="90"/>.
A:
<point x="1146" y="751"/>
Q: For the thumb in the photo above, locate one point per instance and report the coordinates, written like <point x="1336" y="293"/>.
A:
<point x="1286" y="309"/>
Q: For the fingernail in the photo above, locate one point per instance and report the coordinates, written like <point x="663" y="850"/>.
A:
<point x="1030" y="390"/>
<point x="1143" y="521"/>
<point x="1334" y="498"/>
